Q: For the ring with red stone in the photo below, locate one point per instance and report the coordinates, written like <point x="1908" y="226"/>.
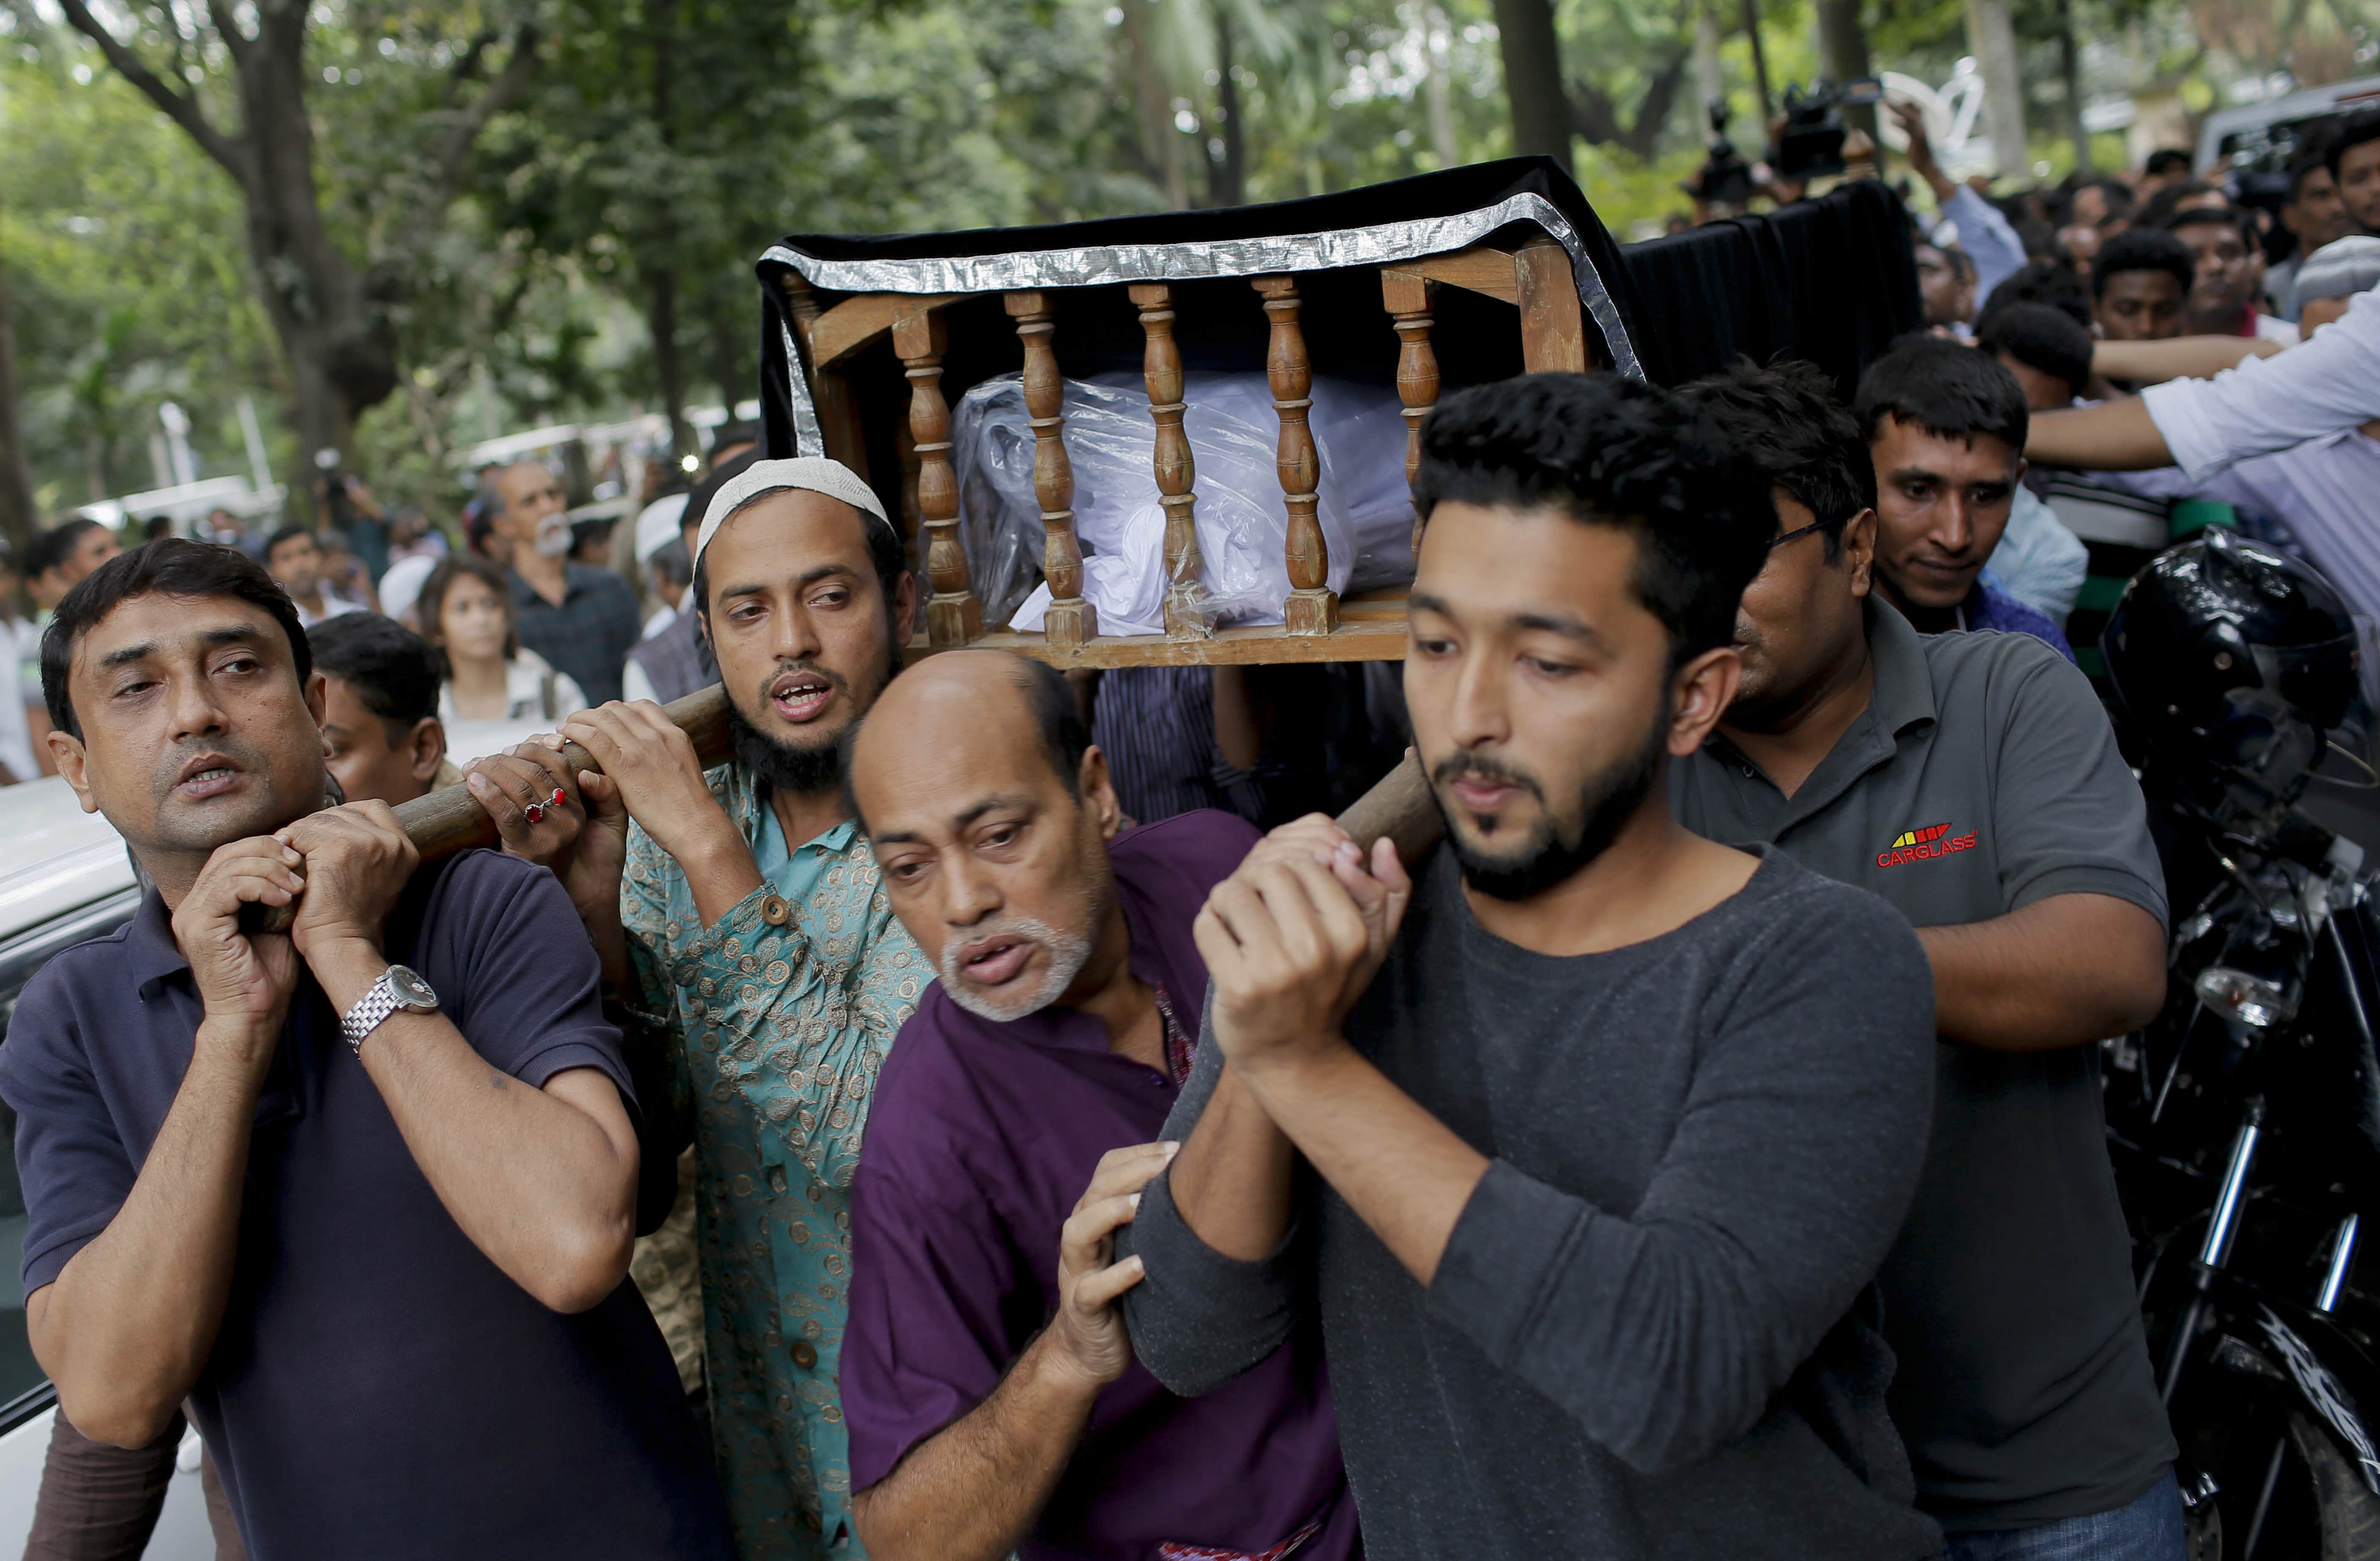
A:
<point x="558" y="799"/>
<point x="534" y="812"/>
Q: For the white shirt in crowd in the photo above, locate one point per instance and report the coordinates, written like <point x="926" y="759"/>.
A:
<point x="537" y="699"/>
<point x="2038" y="562"/>
<point x="2327" y="386"/>
<point x="332" y="607"/>
<point x="663" y="616"/>
<point x="16" y="726"/>
<point x="2326" y="491"/>
<point x="1986" y="237"/>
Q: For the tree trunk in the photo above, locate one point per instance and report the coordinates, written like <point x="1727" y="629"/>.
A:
<point x="332" y="319"/>
<point x="2070" y="73"/>
<point x="733" y="368"/>
<point x="1227" y="180"/>
<point x="341" y="351"/>
<point x="1533" y="77"/>
<point x="1709" y="84"/>
<point x="661" y="319"/>
<point x="1842" y="54"/>
<point x="1759" y="71"/>
<point x="1161" y="144"/>
<point x="18" y="519"/>
<point x="1442" y="110"/>
<point x="661" y="300"/>
<point x="1992" y="37"/>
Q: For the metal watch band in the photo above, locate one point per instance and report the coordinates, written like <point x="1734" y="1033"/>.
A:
<point x="377" y="1003"/>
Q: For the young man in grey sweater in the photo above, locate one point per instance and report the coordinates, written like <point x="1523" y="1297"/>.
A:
<point x="1582" y="1147"/>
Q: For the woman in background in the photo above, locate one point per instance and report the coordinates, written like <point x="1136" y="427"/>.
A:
<point x="495" y="692"/>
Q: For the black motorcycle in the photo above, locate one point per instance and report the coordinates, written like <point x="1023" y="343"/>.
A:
<point x="2244" y="1125"/>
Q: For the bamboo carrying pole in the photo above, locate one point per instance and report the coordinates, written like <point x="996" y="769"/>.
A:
<point x="451" y="819"/>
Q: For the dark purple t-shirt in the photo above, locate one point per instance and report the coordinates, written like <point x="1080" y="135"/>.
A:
<point x="378" y="1388"/>
<point x="981" y="1138"/>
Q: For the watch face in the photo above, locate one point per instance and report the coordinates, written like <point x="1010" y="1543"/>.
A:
<point x="411" y="990"/>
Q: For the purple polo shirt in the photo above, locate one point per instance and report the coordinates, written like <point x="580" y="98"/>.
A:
<point x="982" y="1137"/>
<point x="378" y="1387"/>
<point x="1988" y="608"/>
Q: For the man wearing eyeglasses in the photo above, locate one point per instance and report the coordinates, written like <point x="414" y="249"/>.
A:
<point x="1944" y="426"/>
<point x="1973" y="781"/>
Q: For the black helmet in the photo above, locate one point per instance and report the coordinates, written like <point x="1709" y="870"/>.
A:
<point x="2234" y="660"/>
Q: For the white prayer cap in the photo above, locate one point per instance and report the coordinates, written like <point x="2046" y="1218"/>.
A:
<point x="813" y="474"/>
<point x="657" y="527"/>
<point x="2343" y="266"/>
<point x="401" y="586"/>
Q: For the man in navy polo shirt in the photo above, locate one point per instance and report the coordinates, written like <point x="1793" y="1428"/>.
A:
<point x="361" y="1193"/>
<point x="1973" y="781"/>
<point x="991" y="1391"/>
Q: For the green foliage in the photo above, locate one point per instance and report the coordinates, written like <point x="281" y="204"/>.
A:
<point x="599" y="259"/>
<point x="129" y="281"/>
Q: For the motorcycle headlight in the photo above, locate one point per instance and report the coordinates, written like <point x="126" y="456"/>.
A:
<point x="2248" y="999"/>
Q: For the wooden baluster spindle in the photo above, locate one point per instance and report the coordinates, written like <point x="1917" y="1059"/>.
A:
<point x="1187" y="614"/>
<point x="1311" y="608"/>
<point x="904" y="449"/>
<point x="953" y="614"/>
<point x="1407" y="298"/>
<point x="1070" y="619"/>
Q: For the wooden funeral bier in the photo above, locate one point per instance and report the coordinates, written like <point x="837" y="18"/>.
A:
<point x="1448" y="279"/>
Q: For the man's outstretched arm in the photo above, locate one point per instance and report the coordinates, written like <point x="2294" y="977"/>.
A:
<point x="128" y="1325"/>
<point x="2115" y="436"/>
<point x="543" y="1180"/>
<point x="973" y="1491"/>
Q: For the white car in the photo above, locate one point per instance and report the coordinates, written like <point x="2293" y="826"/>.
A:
<point x="65" y="878"/>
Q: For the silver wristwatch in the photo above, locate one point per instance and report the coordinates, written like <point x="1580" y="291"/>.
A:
<point x="399" y="986"/>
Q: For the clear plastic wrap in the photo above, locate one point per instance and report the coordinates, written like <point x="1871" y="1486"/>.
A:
<point x="1366" y="513"/>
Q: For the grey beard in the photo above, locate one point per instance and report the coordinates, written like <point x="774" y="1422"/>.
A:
<point x="1068" y="954"/>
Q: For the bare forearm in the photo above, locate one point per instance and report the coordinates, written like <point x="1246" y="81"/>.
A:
<point x="535" y="1182"/>
<point x="2063" y="971"/>
<point x="973" y="1491"/>
<point x="1404" y="1173"/>
<point x="2177" y="358"/>
<point x="128" y="1326"/>
<point x="1231" y="1181"/>
<point x="2120" y="436"/>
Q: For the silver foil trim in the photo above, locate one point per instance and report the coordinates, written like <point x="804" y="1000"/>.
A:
<point x="807" y="439"/>
<point x="1382" y="243"/>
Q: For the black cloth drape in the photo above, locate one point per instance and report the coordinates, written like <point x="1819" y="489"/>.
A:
<point x="1831" y="280"/>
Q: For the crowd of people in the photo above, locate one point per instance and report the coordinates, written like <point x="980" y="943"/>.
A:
<point x="996" y="1111"/>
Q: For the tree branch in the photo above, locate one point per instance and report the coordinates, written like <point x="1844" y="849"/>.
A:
<point x="180" y="107"/>
<point x="466" y="67"/>
<point x="499" y="95"/>
<point x="1595" y="116"/>
<point x="227" y="28"/>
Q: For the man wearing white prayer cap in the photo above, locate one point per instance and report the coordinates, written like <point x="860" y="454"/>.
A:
<point x="739" y="911"/>
<point x="665" y="571"/>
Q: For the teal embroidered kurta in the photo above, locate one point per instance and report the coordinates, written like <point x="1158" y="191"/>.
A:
<point x="779" y="1027"/>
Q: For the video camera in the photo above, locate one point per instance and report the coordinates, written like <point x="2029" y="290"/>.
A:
<point x="1725" y="179"/>
<point x="1810" y="142"/>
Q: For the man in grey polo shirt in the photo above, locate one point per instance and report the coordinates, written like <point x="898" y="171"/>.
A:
<point x="1971" y="780"/>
